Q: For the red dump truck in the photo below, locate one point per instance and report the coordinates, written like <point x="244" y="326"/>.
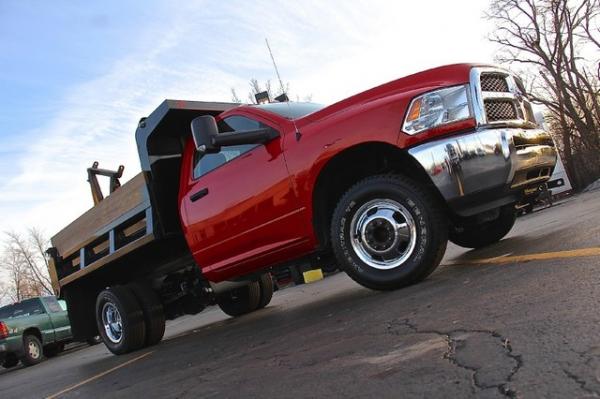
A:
<point x="379" y="182"/>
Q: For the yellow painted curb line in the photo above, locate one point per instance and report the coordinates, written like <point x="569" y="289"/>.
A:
<point x="575" y="253"/>
<point x="100" y="375"/>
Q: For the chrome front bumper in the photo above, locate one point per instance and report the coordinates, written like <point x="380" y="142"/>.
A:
<point x="487" y="168"/>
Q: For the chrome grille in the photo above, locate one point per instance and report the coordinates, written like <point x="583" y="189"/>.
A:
<point x="499" y="110"/>
<point x="528" y="112"/>
<point x="494" y="82"/>
<point x="500" y="98"/>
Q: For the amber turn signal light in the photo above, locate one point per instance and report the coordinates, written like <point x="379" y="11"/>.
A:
<point x="415" y="110"/>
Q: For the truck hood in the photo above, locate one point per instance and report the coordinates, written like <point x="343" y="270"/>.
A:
<point x="447" y="75"/>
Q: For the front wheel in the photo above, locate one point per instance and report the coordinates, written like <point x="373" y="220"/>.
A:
<point x="388" y="232"/>
<point x="483" y="234"/>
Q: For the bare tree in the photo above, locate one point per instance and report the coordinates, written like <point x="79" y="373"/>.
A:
<point x="25" y="264"/>
<point x="307" y="98"/>
<point x="16" y="276"/>
<point x="234" y="97"/>
<point x="556" y="40"/>
<point x="4" y="293"/>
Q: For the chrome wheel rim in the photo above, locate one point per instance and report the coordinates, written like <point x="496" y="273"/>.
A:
<point x="113" y="325"/>
<point x="34" y="350"/>
<point x="383" y="234"/>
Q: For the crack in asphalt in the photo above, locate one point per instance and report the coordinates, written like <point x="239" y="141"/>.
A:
<point x="451" y="354"/>
<point x="581" y="382"/>
<point x="588" y="359"/>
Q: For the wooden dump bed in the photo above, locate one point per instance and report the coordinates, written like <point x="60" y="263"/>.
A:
<point x="119" y="224"/>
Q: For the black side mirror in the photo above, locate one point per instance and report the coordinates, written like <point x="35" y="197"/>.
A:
<point x="204" y="131"/>
<point x="208" y="140"/>
<point x="240" y="137"/>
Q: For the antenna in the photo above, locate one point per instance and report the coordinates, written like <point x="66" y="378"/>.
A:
<point x="275" y="66"/>
<point x="298" y="134"/>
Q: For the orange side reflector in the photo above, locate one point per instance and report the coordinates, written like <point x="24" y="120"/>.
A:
<point x="415" y="110"/>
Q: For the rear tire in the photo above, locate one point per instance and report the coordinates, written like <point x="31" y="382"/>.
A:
<point x="388" y="232"/>
<point x="11" y="361"/>
<point x="33" y="353"/>
<point x="120" y="320"/>
<point x="154" y="314"/>
<point x="266" y="290"/>
<point x="487" y="233"/>
<point x="241" y="300"/>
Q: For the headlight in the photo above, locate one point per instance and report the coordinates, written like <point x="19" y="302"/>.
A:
<point x="437" y="108"/>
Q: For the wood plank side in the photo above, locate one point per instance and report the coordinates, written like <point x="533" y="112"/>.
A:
<point x="85" y="229"/>
<point x="53" y="276"/>
<point x="107" y="259"/>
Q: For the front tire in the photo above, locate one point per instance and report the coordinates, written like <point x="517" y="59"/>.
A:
<point x="33" y="353"/>
<point x="240" y="300"/>
<point x="388" y="232"/>
<point x="484" y="234"/>
<point x="120" y="320"/>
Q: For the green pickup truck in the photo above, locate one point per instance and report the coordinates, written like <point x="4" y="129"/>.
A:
<point x="32" y="329"/>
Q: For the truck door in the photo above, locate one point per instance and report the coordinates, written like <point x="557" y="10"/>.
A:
<point x="34" y="315"/>
<point x="238" y="209"/>
<point x="59" y="318"/>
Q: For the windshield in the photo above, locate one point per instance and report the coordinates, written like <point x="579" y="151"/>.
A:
<point x="28" y="307"/>
<point x="291" y="110"/>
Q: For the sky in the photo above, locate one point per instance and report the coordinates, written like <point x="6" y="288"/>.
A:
<point x="75" y="77"/>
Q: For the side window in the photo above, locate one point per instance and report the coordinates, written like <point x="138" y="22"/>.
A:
<point x="28" y="307"/>
<point x="207" y="162"/>
<point x="52" y="304"/>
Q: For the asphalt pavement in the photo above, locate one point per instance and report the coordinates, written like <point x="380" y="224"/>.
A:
<point x="517" y="319"/>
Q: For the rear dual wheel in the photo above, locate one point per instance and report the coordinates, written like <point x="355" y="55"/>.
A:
<point x="129" y="317"/>
<point x="266" y="290"/>
<point x="256" y="295"/>
<point x="120" y="320"/>
<point x="154" y="314"/>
